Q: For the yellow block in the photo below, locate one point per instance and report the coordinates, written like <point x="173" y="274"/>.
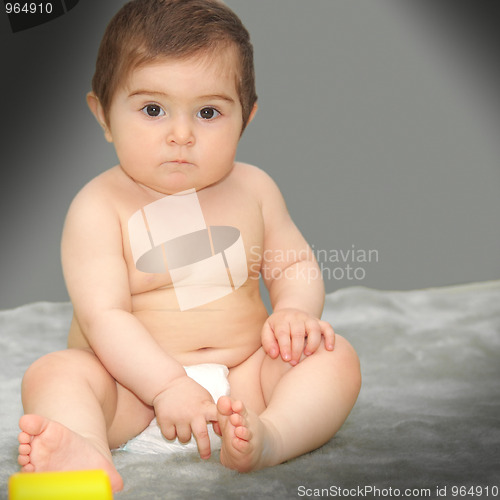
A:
<point x="74" y="485"/>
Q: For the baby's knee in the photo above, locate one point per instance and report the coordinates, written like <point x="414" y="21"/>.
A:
<point x="56" y="365"/>
<point x="42" y="365"/>
<point x="46" y="366"/>
<point x="343" y="362"/>
<point x="38" y="373"/>
<point x="346" y="356"/>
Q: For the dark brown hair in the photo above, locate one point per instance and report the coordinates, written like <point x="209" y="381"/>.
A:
<point x="145" y="30"/>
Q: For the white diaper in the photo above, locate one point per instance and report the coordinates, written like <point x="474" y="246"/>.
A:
<point x="213" y="378"/>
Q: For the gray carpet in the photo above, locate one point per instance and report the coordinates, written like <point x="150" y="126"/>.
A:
<point x="428" y="415"/>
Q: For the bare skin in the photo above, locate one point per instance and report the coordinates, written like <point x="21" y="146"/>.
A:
<point x="293" y="381"/>
<point x="46" y="445"/>
<point x="245" y="436"/>
<point x="251" y="439"/>
<point x="287" y="425"/>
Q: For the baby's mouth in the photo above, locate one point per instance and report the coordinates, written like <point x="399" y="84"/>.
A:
<point x="178" y="163"/>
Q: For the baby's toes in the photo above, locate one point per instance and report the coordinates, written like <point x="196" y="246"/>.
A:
<point x="24" y="449"/>
<point x="237" y="420"/>
<point x="239" y="407"/>
<point x="243" y="433"/>
<point x="224" y="406"/>
<point x="24" y="438"/>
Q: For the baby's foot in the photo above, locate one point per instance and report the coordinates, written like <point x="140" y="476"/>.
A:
<point x="46" y="445"/>
<point x="247" y="442"/>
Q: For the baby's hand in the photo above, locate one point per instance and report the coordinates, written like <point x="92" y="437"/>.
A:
<point x="183" y="409"/>
<point x="290" y="332"/>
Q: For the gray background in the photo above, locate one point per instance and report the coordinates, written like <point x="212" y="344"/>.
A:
<point x="379" y="120"/>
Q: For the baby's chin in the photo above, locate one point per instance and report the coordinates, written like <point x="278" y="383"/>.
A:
<point x="177" y="181"/>
<point x="174" y="186"/>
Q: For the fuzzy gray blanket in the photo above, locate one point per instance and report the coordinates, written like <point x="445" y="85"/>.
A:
<point x="426" y="423"/>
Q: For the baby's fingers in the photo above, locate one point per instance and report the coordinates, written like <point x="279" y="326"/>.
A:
<point x="329" y="335"/>
<point x="269" y="342"/>
<point x="183" y="432"/>
<point x="313" y="338"/>
<point x="169" y="431"/>
<point x="282" y="334"/>
<point x="199" y="428"/>
<point x="298" y="333"/>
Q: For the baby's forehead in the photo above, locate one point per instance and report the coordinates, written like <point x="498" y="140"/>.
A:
<point x="221" y="63"/>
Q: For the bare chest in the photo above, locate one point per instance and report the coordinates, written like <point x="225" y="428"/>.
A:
<point x="202" y="246"/>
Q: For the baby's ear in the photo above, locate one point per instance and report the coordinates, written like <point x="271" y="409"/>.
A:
<point x="250" y="118"/>
<point x="252" y="113"/>
<point x="97" y="110"/>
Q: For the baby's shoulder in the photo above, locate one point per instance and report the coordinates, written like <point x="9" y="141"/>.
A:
<point x="104" y="188"/>
<point x="255" y="178"/>
<point x="265" y="190"/>
<point x="96" y="198"/>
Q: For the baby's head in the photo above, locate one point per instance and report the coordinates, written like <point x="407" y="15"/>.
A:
<point x="145" y="31"/>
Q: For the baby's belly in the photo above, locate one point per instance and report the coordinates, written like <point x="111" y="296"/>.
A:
<point x="226" y="331"/>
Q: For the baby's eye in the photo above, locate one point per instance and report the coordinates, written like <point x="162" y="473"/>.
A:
<point x="208" y="113"/>
<point x="153" y="110"/>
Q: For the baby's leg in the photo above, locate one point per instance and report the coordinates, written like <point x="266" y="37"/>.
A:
<point x="71" y="402"/>
<point x="304" y="407"/>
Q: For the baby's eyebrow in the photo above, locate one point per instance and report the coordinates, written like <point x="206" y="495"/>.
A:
<point x="219" y="97"/>
<point x="208" y="97"/>
<point x="147" y="92"/>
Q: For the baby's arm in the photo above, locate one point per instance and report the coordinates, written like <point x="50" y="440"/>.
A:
<point x="294" y="281"/>
<point x="97" y="279"/>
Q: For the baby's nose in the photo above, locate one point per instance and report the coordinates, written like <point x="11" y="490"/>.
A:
<point x="180" y="131"/>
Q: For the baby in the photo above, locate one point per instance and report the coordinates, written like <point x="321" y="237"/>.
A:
<point x="162" y="256"/>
